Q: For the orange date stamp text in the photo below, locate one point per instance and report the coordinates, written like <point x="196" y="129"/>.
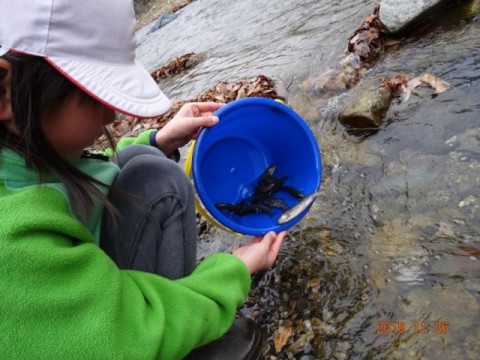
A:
<point x="417" y="326"/>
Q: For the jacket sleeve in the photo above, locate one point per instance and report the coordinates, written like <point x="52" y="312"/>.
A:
<point x="201" y="307"/>
<point x="142" y="139"/>
<point x="63" y="297"/>
<point x="145" y="138"/>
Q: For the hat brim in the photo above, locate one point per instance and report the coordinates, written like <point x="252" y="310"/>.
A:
<point x="3" y="50"/>
<point x="128" y="89"/>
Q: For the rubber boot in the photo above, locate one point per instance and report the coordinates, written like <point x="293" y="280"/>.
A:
<point x="243" y="341"/>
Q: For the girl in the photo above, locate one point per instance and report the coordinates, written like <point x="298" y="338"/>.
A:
<point x="97" y="253"/>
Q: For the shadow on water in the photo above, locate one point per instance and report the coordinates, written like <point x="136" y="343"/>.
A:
<point x="386" y="265"/>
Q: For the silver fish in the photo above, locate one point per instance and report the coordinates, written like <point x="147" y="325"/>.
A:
<point x="295" y="210"/>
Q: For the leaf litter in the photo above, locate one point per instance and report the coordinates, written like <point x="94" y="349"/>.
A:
<point x="364" y="47"/>
<point x="403" y="85"/>
<point x="222" y="92"/>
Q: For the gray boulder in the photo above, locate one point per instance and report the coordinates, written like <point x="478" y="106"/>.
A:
<point x="398" y="16"/>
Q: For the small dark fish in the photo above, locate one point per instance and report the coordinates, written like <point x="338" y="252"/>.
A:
<point x="254" y="209"/>
<point x="276" y="203"/>
<point x="294" y="192"/>
<point x="262" y="200"/>
<point x="295" y="210"/>
<point x="269" y="172"/>
<point x="267" y="177"/>
<point x="269" y="188"/>
<point x="229" y="207"/>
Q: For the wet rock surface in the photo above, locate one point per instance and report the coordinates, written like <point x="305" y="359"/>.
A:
<point x="366" y="107"/>
<point x="400" y="15"/>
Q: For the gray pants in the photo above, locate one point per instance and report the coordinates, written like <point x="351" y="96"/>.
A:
<point x="156" y="231"/>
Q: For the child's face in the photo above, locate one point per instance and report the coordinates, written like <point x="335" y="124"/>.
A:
<point x="76" y="125"/>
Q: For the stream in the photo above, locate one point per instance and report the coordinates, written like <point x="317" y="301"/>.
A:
<point x="386" y="265"/>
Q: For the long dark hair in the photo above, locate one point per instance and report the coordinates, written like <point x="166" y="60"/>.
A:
<point x="37" y="89"/>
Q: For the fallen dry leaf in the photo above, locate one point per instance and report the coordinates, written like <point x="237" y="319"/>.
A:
<point x="438" y="85"/>
<point x="402" y="85"/>
<point x="435" y="83"/>
<point x="281" y="337"/>
<point x="314" y="283"/>
<point x="314" y="286"/>
<point x="368" y="40"/>
<point x="465" y="250"/>
<point x="178" y="65"/>
<point x="365" y="46"/>
<point x="397" y="85"/>
<point x="412" y="84"/>
<point x="468" y="257"/>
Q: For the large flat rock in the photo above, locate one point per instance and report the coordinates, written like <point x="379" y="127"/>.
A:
<point x="400" y="15"/>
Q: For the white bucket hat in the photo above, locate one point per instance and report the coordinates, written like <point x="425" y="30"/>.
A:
<point x="91" y="42"/>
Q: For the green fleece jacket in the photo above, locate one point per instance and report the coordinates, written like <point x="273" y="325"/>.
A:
<point x="62" y="297"/>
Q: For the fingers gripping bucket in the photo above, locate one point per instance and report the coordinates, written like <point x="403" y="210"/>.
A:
<point x="228" y="159"/>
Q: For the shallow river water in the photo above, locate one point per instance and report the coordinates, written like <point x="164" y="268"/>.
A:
<point x="386" y="265"/>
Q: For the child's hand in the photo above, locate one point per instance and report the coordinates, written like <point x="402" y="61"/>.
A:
<point x="185" y="125"/>
<point x="260" y="253"/>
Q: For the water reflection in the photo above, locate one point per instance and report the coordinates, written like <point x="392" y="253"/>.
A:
<point x="395" y="235"/>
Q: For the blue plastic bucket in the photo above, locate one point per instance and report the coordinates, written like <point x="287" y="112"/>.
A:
<point x="229" y="159"/>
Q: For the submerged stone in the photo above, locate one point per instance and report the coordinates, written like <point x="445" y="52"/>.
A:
<point x="366" y="108"/>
